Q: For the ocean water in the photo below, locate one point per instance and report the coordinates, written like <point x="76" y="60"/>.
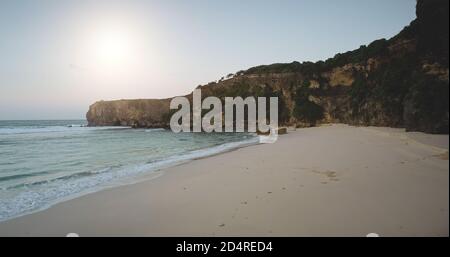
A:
<point x="45" y="162"/>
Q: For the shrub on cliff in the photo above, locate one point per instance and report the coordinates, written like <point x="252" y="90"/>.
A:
<point x="305" y="109"/>
<point x="426" y="106"/>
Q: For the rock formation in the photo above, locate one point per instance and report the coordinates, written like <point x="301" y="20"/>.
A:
<point x="135" y="113"/>
<point x="400" y="82"/>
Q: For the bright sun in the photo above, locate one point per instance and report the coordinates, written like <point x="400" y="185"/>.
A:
<point x="113" y="47"/>
<point x="113" y="51"/>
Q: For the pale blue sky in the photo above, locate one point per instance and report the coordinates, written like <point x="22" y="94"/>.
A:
<point x="58" y="56"/>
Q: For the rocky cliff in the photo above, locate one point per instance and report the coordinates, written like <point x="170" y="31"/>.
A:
<point x="400" y="82"/>
<point x="136" y="113"/>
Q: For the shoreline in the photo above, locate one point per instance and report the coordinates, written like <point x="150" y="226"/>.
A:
<point x="156" y="170"/>
<point x="305" y="184"/>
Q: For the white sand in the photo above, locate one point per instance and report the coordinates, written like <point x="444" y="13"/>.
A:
<point x="327" y="181"/>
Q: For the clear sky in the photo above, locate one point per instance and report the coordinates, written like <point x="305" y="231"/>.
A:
<point x="58" y="56"/>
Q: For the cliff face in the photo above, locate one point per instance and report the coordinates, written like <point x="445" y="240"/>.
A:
<point x="401" y="82"/>
<point x="135" y="113"/>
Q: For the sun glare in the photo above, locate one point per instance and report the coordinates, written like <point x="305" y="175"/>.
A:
<point x="113" y="50"/>
<point x="113" y="47"/>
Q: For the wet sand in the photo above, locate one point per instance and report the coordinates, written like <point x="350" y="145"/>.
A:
<point x="327" y="181"/>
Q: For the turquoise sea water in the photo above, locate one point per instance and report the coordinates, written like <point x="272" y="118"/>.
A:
<point x="44" y="162"/>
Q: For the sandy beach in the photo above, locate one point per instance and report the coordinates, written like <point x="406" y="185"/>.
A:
<point x="327" y="181"/>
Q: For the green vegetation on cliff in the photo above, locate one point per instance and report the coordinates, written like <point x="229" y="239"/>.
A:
<point x="305" y="109"/>
<point x="400" y="82"/>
